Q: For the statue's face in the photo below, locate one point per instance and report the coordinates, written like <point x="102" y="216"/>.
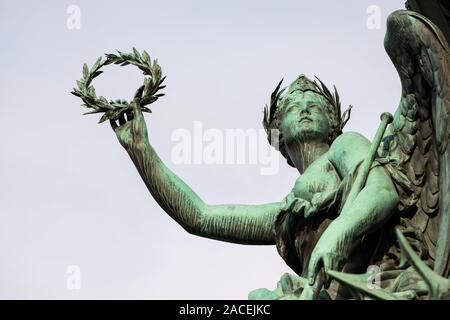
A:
<point x="305" y="118"/>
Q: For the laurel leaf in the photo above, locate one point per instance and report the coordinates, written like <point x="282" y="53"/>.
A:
<point x="146" y="91"/>
<point x="92" y="112"/>
<point x="136" y="54"/>
<point x="96" y="65"/>
<point x="104" y="118"/>
<point x="75" y="93"/>
<point x="145" y="56"/>
<point x="85" y="71"/>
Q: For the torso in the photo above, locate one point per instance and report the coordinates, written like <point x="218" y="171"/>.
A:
<point x="320" y="176"/>
<point x="296" y="235"/>
<point x="328" y="170"/>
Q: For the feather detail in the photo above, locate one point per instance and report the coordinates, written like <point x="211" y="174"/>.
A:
<point x="420" y="131"/>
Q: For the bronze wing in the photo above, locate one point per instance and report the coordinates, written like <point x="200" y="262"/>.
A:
<point x="418" y="138"/>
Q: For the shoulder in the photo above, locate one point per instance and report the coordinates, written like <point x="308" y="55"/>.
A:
<point x="348" y="150"/>
<point x="349" y="138"/>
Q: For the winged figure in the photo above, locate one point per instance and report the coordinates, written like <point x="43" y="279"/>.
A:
<point x="398" y="221"/>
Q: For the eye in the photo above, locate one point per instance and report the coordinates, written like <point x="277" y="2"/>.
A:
<point x="292" y="108"/>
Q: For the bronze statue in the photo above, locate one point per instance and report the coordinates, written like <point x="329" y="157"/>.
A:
<point x="355" y="204"/>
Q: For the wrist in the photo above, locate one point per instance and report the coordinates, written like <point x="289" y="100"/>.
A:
<point x="139" y="148"/>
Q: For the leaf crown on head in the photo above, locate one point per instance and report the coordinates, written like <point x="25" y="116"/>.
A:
<point x="273" y="112"/>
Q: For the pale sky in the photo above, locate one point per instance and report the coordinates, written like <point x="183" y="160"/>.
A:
<point x="69" y="194"/>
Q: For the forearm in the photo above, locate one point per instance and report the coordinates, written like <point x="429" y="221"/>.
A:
<point x="233" y="223"/>
<point x="170" y="192"/>
<point x="372" y="207"/>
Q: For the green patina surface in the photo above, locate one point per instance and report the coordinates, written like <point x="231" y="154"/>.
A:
<point x="356" y="203"/>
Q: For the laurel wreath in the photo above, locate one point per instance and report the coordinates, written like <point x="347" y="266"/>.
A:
<point x="113" y="109"/>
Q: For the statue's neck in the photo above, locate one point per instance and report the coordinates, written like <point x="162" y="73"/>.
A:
<point x="303" y="154"/>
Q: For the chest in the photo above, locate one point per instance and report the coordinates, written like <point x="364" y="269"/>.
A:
<point x="319" y="177"/>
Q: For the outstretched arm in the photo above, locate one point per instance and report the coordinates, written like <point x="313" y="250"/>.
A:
<point x="246" y="224"/>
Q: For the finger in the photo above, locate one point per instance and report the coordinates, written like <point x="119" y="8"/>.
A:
<point x="284" y="204"/>
<point x="139" y="119"/>
<point x="137" y="112"/>
<point x="317" y="199"/>
<point x="113" y="124"/>
<point x="327" y="266"/>
<point x="299" y="207"/>
<point x="313" y="269"/>
<point x="310" y="211"/>
<point x="289" y="204"/>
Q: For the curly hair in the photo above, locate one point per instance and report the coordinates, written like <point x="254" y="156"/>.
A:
<point x="278" y="99"/>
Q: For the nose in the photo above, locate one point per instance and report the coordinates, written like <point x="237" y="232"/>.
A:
<point x="304" y="111"/>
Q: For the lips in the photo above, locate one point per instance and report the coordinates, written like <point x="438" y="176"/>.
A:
<point x="305" y="119"/>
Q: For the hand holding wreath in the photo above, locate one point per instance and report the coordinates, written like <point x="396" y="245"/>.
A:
<point x="125" y="117"/>
<point x="114" y="110"/>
